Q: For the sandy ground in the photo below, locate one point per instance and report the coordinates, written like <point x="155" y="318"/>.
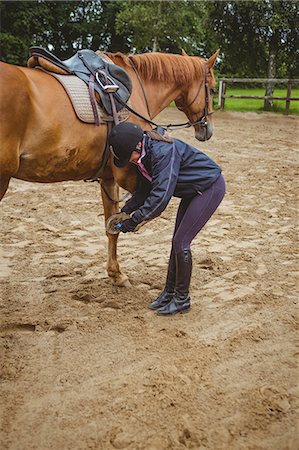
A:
<point x="85" y="364"/>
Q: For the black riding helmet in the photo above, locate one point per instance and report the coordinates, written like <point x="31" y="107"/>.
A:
<point x="123" y="139"/>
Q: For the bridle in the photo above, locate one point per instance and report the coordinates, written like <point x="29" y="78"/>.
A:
<point x="203" y="121"/>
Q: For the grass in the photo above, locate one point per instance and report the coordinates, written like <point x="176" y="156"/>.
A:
<point x="239" y="104"/>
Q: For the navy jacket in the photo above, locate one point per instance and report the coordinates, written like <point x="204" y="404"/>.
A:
<point x="177" y="169"/>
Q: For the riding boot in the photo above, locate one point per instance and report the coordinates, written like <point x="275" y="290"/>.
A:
<point x="168" y="292"/>
<point x="180" y="302"/>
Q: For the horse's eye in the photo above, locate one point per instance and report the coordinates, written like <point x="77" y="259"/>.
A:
<point x="212" y="91"/>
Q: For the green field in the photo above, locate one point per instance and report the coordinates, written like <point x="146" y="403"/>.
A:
<point x="236" y="104"/>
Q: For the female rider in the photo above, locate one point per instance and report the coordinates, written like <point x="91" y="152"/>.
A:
<point x="169" y="168"/>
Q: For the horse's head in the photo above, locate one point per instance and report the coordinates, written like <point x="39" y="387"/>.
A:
<point x="196" y="101"/>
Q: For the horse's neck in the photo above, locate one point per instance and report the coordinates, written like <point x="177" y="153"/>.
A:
<point x="159" y="95"/>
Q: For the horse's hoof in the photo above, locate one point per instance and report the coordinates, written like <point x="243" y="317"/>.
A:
<point x="122" y="281"/>
<point x="126" y="284"/>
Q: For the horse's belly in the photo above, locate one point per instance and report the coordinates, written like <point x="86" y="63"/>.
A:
<point x="69" y="161"/>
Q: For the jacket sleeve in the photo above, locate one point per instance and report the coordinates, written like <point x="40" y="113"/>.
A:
<point x="165" y="172"/>
<point x="139" y="196"/>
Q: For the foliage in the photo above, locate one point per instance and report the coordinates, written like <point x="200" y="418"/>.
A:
<point x="248" y="31"/>
<point x="110" y="39"/>
<point x="162" y="25"/>
<point x="245" y="31"/>
<point x="60" y="26"/>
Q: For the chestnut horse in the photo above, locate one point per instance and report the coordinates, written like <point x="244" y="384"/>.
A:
<point x="42" y="140"/>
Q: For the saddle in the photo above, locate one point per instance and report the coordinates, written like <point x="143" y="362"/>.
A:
<point x="105" y="78"/>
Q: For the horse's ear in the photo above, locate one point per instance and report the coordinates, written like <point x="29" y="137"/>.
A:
<point x="184" y="53"/>
<point x="212" y="60"/>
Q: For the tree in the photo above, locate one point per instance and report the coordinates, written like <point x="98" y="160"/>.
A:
<point x="259" y="37"/>
<point x="109" y="38"/>
<point x="19" y="22"/>
<point x="162" y="25"/>
<point x="60" y="26"/>
<point x="280" y="31"/>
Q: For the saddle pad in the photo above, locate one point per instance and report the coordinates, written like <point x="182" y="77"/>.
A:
<point x="78" y="94"/>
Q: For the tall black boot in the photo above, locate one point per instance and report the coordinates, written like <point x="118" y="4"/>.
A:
<point x="181" y="299"/>
<point x="168" y="292"/>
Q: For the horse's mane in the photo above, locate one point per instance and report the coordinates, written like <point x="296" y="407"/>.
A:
<point x="162" y="66"/>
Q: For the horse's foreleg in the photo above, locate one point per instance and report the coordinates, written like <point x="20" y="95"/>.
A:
<point x="110" y="187"/>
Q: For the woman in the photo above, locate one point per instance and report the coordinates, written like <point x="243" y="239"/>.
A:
<point x="169" y="168"/>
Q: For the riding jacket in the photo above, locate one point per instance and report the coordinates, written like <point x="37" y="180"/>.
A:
<point x="165" y="170"/>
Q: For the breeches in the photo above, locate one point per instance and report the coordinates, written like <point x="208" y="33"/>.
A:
<point x="194" y="213"/>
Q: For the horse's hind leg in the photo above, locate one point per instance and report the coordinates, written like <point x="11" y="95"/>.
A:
<point x="4" y="182"/>
<point x="109" y="185"/>
<point x="13" y="119"/>
<point x="9" y="164"/>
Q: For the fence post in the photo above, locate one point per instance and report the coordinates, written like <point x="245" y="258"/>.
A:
<point x="288" y="102"/>
<point x="222" y="94"/>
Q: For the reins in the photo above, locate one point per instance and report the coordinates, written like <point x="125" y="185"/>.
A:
<point x="141" y="85"/>
<point x="202" y="121"/>
<point x="115" y="202"/>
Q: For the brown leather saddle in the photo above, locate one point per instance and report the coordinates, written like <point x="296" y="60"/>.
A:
<point x="106" y="79"/>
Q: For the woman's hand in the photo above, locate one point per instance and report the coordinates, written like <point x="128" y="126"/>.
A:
<point x="127" y="226"/>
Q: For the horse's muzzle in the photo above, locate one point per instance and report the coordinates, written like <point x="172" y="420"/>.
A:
<point x="204" y="133"/>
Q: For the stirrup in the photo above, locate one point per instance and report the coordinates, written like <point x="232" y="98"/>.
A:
<point x="108" y="88"/>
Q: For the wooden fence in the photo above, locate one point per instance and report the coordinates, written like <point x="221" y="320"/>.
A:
<point x="223" y="82"/>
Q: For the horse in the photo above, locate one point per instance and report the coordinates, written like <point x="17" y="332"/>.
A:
<point x="43" y="141"/>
